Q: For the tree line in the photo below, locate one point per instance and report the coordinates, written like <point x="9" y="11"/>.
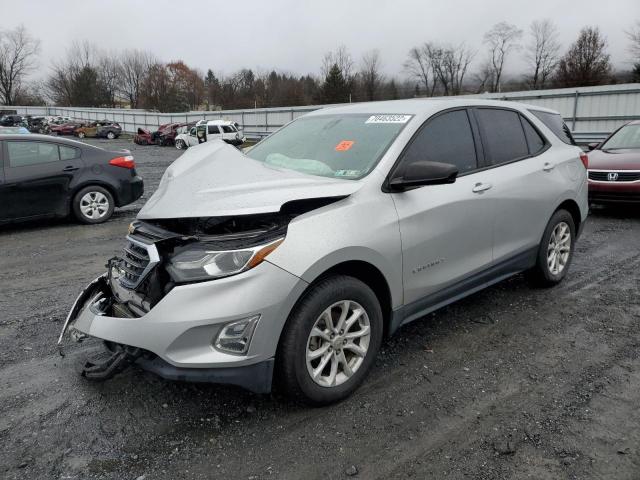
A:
<point x="90" y="77"/>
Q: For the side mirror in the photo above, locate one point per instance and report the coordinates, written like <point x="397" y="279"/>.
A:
<point x="418" y="174"/>
<point x="593" y="146"/>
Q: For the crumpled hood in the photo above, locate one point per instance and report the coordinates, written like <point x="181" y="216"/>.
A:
<point x="215" y="179"/>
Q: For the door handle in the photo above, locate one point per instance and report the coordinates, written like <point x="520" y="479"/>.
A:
<point x="481" y="187"/>
<point x="548" y="167"/>
<point x="69" y="168"/>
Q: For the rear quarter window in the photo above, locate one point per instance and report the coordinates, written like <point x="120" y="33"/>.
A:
<point x="554" y="122"/>
<point x="504" y="137"/>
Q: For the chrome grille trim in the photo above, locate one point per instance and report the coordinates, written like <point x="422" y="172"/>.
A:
<point x="624" y="176"/>
<point x="138" y="260"/>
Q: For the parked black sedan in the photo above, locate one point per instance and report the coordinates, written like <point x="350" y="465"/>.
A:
<point x="44" y="176"/>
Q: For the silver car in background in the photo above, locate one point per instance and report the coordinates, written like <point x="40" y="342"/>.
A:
<point x="293" y="262"/>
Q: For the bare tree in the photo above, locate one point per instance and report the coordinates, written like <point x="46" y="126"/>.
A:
<point x="419" y="65"/>
<point x="450" y="64"/>
<point x="542" y="52"/>
<point x="370" y="75"/>
<point x="586" y="62"/>
<point x="634" y="38"/>
<point x="340" y="57"/>
<point x="18" y="52"/>
<point x="134" y="65"/>
<point x="109" y="75"/>
<point x="501" y="39"/>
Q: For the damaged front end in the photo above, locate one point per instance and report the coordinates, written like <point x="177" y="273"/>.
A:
<point x="160" y="255"/>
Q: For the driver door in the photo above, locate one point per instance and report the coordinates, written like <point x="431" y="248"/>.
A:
<point x="446" y="230"/>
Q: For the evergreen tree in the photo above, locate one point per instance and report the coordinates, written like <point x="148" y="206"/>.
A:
<point x="335" y="88"/>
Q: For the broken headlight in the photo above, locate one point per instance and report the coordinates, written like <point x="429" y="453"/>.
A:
<point x="197" y="262"/>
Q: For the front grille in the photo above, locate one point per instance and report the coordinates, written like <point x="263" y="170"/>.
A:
<point x="622" y="176"/>
<point x="137" y="262"/>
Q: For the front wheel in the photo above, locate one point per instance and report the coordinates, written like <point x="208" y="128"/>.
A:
<point x="81" y="135"/>
<point x="330" y="341"/>
<point x="555" y="251"/>
<point x="180" y="145"/>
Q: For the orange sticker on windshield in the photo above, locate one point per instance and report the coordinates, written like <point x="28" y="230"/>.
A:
<point x="344" y="145"/>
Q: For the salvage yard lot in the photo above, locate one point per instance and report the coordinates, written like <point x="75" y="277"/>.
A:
<point x="512" y="382"/>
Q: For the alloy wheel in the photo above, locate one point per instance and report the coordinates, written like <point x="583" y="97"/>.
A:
<point x="559" y="248"/>
<point x="338" y="343"/>
<point x="94" y="205"/>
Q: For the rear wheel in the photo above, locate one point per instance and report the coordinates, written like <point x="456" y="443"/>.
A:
<point x="111" y="135"/>
<point x="330" y="341"/>
<point x="555" y="251"/>
<point x="93" y="204"/>
<point x="81" y="135"/>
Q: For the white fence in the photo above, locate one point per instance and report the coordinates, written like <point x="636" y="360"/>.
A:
<point x="591" y="112"/>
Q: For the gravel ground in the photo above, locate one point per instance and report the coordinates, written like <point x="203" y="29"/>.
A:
<point x="512" y="382"/>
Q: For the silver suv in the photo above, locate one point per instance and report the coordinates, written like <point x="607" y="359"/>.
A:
<point x="294" y="261"/>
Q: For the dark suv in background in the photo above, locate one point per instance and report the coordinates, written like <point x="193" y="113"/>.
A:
<point x="43" y="176"/>
<point x="10" y="120"/>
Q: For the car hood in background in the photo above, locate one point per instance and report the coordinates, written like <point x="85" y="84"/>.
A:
<point x="216" y="179"/>
<point x="624" y="159"/>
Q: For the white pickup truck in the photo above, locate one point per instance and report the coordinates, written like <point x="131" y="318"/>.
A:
<point x="209" y="130"/>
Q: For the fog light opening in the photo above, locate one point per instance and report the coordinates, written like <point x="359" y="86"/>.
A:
<point x="235" y="337"/>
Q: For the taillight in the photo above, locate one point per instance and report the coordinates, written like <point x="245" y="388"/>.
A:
<point x="585" y="159"/>
<point x="124" y="162"/>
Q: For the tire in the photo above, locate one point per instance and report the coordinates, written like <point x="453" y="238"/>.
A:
<point x="87" y="205"/>
<point x="111" y="135"/>
<point x="546" y="273"/>
<point x="81" y="135"/>
<point x="180" y="145"/>
<point x="294" y="371"/>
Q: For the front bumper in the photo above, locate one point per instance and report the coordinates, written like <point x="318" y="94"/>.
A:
<point x="614" y="192"/>
<point x="181" y="329"/>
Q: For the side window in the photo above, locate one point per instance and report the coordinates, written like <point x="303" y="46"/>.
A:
<point x="446" y="138"/>
<point x="554" y="122"/>
<point x="534" y="139"/>
<point x="68" y="153"/>
<point x="227" y="129"/>
<point x="213" y="130"/>
<point x="504" y="139"/>
<point x="22" y="154"/>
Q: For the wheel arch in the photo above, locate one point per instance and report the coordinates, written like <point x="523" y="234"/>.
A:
<point x="368" y="274"/>
<point x="90" y="183"/>
<point x="572" y="207"/>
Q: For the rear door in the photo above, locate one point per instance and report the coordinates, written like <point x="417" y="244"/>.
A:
<point x="37" y="177"/>
<point x="446" y="230"/>
<point x="525" y="183"/>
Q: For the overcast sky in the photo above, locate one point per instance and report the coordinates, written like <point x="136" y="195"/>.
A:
<point x="293" y="35"/>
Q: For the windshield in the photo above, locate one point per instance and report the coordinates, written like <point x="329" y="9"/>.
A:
<point x="627" y="137"/>
<point x="339" y="146"/>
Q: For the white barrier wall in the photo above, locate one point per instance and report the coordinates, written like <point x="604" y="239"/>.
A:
<point x="593" y="111"/>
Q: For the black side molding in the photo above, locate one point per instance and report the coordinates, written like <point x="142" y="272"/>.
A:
<point x="463" y="288"/>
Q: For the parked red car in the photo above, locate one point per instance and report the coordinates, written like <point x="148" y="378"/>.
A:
<point x="143" y="137"/>
<point x="165" y="135"/>
<point x="614" y="167"/>
<point x="65" y="129"/>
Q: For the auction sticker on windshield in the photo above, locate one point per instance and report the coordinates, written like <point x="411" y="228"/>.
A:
<point x="344" y="145"/>
<point x="388" y="119"/>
